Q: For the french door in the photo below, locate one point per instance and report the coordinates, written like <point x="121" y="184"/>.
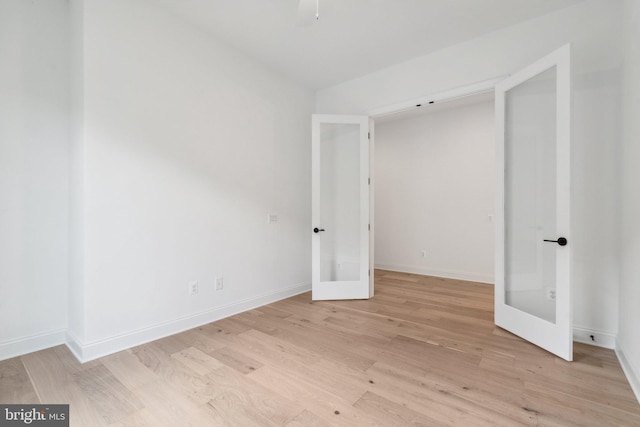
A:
<point x="340" y="208"/>
<point x="533" y="242"/>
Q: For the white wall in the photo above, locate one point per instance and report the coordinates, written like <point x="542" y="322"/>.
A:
<point x="434" y="191"/>
<point x="629" y="337"/>
<point x="593" y="29"/>
<point x="187" y="145"/>
<point x="33" y="174"/>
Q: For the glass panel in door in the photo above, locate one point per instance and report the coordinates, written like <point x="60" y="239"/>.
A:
<point x="340" y="202"/>
<point x="530" y="196"/>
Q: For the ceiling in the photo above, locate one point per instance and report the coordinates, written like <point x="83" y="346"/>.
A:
<point x="351" y="37"/>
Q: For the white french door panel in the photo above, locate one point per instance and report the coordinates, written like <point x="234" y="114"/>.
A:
<point x="340" y="207"/>
<point x="533" y="245"/>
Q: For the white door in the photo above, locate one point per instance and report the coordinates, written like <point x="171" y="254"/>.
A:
<point x="533" y="242"/>
<point x="340" y="207"/>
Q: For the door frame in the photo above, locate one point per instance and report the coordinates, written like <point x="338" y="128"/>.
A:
<point x="372" y="269"/>
<point x="484" y="86"/>
<point x="477" y="88"/>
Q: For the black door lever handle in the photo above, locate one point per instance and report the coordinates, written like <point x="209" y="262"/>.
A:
<point x="561" y="241"/>
<point x="317" y="230"/>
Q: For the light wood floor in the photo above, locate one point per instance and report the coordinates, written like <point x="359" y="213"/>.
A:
<point x="424" y="351"/>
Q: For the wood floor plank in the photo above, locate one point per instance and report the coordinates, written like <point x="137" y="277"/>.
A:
<point x="307" y="419"/>
<point x="392" y="413"/>
<point x="286" y="352"/>
<point x="549" y="410"/>
<point x="236" y="360"/>
<point x="198" y="361"/>
<point x="312" y="310"/>
<point x="128" y="369"/>
<point x="331" y="407"/>
<point x="228" y="411"/>
<point x="374" y="326"/>
<point x="606" y="413"/>
<point x="15" y="386"/>
<point x="172" y="407"/>
<point x="328" y="344"/>
<point x="109" y="396"/>
<point x="435" y="392"/>
<point x="141" y="418"/>
<point x="283" y="355"/>
<point x="423" y="351"/>
<point x="70" y="363"/>
<point x="199" y="339"/>
<point x="172" y="371"/>
<point x="235" y="390"/>
<point x="54" y="384"/>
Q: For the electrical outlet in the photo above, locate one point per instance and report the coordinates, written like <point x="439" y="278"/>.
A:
<point x="219" y="283"/>
<point x="551" y="294"/>
<point x="272" y="218"/>
<point x="193" y="287"/>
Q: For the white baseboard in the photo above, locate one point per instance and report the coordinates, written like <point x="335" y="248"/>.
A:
<point x="600" y="338"/>
<point x="86" y="351"/>
<point x="457" y="275"/>
<point x="631" y="369"/>
<point x="29" y="344"/>
<point x="73" y="344"/>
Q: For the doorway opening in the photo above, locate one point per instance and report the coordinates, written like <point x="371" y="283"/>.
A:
<point x="434" y="174"/>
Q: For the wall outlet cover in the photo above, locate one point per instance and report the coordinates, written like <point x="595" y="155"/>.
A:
<point x="193" y="287"/>
<point x="551" y="294"/>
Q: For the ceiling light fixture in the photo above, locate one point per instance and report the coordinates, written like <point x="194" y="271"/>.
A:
<point x="307" y="10"/>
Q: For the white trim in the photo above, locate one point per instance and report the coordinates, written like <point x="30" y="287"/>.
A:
<point x="31" y="343"/>
<point x="87" y="351"/>
<point x="372" y="146"/>
<point x="74" y="344"/>
<point x="456" y="275"/>
<point x="631" y="370"/>
<point x="446" y="95"/>
<point x="600" y="338"/>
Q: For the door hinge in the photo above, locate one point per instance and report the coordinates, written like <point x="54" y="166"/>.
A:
<point x="369" y="227"/>
<point x="368" y="135"/>
<point x="369" y="181"/>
